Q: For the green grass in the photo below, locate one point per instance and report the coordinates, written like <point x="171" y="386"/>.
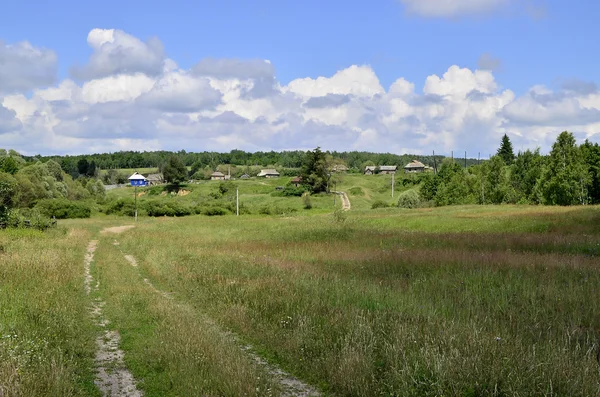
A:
<point x="466" y="300"/>
<point x="46" y="336"/>
<point x="454" y="301"/>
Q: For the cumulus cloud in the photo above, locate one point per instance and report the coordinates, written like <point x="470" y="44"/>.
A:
<point x="220" y="104"/>
<point x="8" y="121"/>
<point x="451" y="8"/>
<point x="116" y="52"/>
<point x="180" y="92"/>
<point x="24" y="67"/>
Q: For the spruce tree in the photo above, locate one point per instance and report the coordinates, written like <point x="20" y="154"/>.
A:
<point x="506" y="151"/>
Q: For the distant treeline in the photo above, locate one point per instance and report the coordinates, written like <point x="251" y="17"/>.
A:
<point x="81" y="164"/>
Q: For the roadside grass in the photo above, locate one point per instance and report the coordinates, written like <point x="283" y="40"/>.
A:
<point x="444" y="301"/>
<point x="171" y="348"/>
<point x="46" y="334"/>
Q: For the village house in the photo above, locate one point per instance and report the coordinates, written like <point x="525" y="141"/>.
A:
<point x="269" y="173"/>
<point x="296" y="181"/>
<point x="383" y="169"/>
<point x="155" y="179"/>
<point x="217" y="176"/>
<point x="245" y="176"/>
<point x="414" y="166"/>
<point x="339" y="168"/>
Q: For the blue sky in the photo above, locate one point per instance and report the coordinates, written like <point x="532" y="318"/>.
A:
<point x="314" y="38"/>
<point x="527" y="43"/>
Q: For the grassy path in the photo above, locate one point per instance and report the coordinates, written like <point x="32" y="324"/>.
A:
<point x="112" y="376"/>
<point x="169" y="345"/>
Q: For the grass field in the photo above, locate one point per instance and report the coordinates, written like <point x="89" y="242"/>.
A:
<point x="467" y="300"/>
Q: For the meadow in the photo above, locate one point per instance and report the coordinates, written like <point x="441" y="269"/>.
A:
<point x="463" y="300"/>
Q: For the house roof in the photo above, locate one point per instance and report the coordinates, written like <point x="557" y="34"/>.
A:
<point x="415" y="164"/>
<point x="155" y="177"/>
<point x="381" y="168"/>
<point x="268" y="171"/>
<point x="217" y="173"/>
<point x="245" y="176"/>
<point x="297" y="179"/>
<point x="137" y="177"/>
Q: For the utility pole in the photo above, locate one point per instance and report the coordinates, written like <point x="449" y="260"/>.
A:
<point x="135" y="199"/>
<point x="465" y="159"/>
<point x="434" y="164"/>
<point x="237" y="201"/>
<point x="393" y="185"/>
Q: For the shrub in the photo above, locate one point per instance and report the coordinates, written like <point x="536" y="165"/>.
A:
<point x="356" y="191"/>
<point x="306" y="201"/>
<point x="379" y="204"/>
<point x="166" y="208"/>
<point x="64" y="209"/>
<point x="123" y="206"/>
<point x="214" y="211"/>
<point x="409" y="199"/>
<point x="339" y="215"/>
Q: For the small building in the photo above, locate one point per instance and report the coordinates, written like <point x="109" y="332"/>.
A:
<point x="383" y="169"/>
<point x="217" y="176"/>
<point x="339" y="168"/>
<point x="297" y="181"/>
<point x="155" y="179"/>
<point x="269" y="173"/>
<point x="414" y="166"/>
<point x="137" y="179"/>
<point x="388" y="169"/>
<point x="245" y="176"/>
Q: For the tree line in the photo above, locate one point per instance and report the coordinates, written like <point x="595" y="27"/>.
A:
<point x="568" y="175"/>
<point x="88" y="165"/>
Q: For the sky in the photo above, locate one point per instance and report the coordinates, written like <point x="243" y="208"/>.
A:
<point x="399" y="76"/>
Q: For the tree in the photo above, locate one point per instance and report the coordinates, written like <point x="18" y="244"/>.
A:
<point x="566" y="176"/>
<point x="8" y="185"/>
<point x="314" y="171"/>
<point x="91" y="171"/>
<point x="174" y="171"/>
<point x="505" y="151"/>
<point x="591" y="156"/>
<point x="9" y="165"/>
<point x="525" y="173"/>
<point x="82" y="166"/>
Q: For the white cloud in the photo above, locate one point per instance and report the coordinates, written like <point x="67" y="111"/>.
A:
<point x="355" y="80"/>
<point x="451" y="8"/>
<point x="220" y="104"/>
<point x="116" y="52"/>
<point x="24" y="67"/>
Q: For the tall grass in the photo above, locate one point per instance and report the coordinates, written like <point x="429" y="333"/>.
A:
<point x="46" y="336"/>
<point x="458" y="301"/>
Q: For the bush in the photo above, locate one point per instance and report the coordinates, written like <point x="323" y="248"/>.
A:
<point x="379" y="204"/>
<point x="356" y="191"/>
<point x="214" y="211"/>
<point x="64" y="209"/>
<point x="290" y="191"/>
<point x="166" y="208"/>
<point x="409" y="199"/>
<point x="123" y="206"/>
<point x="306" y="201"/>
